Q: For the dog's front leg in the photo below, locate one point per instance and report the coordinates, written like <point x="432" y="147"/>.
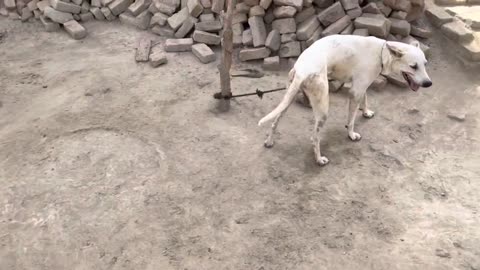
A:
<point x="353" y="106"/>
<point x="364" y="107"/>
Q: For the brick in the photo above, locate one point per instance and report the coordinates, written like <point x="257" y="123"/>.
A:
<point x="349" y="4"/>
<point x="77" y="2"/>
<point x="138" y="7"/>
<point x="376" y="26"/>
<point x="96" y="3"/>
<point x="239" y="18"/>
<point x="251" y="3"/>
<point x="379" y="83"/>
<point x="420" y="29"/>
<point x="76" y="17"/>
<point x="315" y="36"/>
<point x="361" y="32"/>
<point x="306" y="28"/>
<point x="75" y="30"/>
<point x="36" y="13"/>
<point x="386" y="10"/>
<point x="323" y="3"/>
<point x="127" y="18"/>
<point x="205" y="37"/>
<point x="85" y="17"/>
<point x="97" y="13"/>
<point x="259" y="32"/>
<point x="237" y="41"/>
<point x="165" y="8"/>
<point x="331" y="14"/>
<point x="451" y="2"/>
<point x="207" y="18"/>
<point x="65" y="7"/>
<point x="85" y="7"/>
<point x="26" y="14"/>
<point x="291" y="62"/>
<point x="119" y="6"/>
<point x="401" y="15"/>
<point x="194" y="7"/>
<point x="403" y="5"/>
<point x="143" y="50"/>
<point x="10" y="5"/>
<point x="107" y="13"/>
<point x="242" y="8"/>
<point x="307" y="3"/>
<point x="290" y="49"/>
<point x="178" y="45"/>
<point x="256" y="11"/>
<point x="273" y="40"/>
<point x="142" y="21"/>
<point x="438" y="16"/>
<point x="165" y="31"/>
<point x="237" y="29"/>
<point x="32" y="5"/>
<point x="42" y="5"/>
<point x="214" y="26"/>
<point x="457" y="31"/>
<point x="203" y="53"/>
<point x="247" y="37"/>
<point x="294" y="3"/>
<point x="57" y="16"/>
<point x="348" y="30"/>
<point x="217" y="6"/>
<point x="206" y="4"/>
<point x="391" y="37"/>
<point x="337" y="27"/>
<point x="284" y="26"/>
<point x="157" y="57"/>
<point x="50" y="26"/>
<point x="305" y="14"/>
<point x="354" y="13"/>
<point x="471" y="50"/>
<point x="284" y="12"/>
<point x="399" y="27"/>
<point x="158" y="19"/>
<point x="284" y="38"/>
<point x="186" y="27"/>
<point x="271" y="63"/>
<point x="371" y="8"/>
<point x="268" y="18"/>
<point x="252" y="54"/>
<point x="177" y="19"/>
<point x="105" y="3"/>
<point x="265" y="4"/>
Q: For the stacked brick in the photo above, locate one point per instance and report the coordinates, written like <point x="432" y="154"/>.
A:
<point x="263" y="29"/>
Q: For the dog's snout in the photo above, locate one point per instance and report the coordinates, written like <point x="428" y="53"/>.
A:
<point x="427" y="84"/>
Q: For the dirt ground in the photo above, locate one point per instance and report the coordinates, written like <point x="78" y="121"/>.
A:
<point x="109" y="164"/>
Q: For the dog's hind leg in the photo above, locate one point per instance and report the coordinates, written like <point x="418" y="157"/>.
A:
<point x="316" y="88"/>
<point x="364" y="107"/>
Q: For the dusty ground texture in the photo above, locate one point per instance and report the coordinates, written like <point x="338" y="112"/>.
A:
<point x="106" y="164"/>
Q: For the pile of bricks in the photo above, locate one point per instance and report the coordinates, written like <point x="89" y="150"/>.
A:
<point x="263" y="29"/>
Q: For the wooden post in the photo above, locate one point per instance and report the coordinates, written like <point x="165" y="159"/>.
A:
<point x="226" y="61"/>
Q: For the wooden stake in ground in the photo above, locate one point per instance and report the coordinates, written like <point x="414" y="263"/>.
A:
<point x="226" y="62"/>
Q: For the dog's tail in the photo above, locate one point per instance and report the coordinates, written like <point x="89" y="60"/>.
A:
<point x="293" y="88"/>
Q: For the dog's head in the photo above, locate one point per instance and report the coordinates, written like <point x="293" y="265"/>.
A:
<point x="407" y="60"/>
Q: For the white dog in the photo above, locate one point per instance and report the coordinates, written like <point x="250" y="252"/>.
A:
<point x="346" y="58"/>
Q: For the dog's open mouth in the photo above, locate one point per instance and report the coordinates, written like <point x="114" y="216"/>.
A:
<point x="411" y="83"/>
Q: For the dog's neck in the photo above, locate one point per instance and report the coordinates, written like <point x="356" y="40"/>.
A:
<point x="385" y="60"/>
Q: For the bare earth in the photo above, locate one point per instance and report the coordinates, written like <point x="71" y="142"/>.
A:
<point x="109" y="164"/>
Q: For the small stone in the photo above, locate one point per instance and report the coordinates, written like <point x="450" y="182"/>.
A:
<point x="273" y="40"/>
<point x="271" y="63"/>
<point x="442" y="253"/>
<point x="57" y="16"/>
<point x="290" y="49"/>
<point x="205" y="37"/>
<point x="285" y="26"/>
<point x="332" y="14"/>
<point x="284" y="12"/>
<point x="255" y="53"/>
<point x="178" y="45"/>
<point x="458" y="116"/>
<point x="75" y="30"/>
<point x="157" y="57"/>
<point x="203" y="53"/>
<point x="143" y="50"/>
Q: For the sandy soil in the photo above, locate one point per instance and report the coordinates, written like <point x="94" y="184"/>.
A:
<point x="108" y="164"/>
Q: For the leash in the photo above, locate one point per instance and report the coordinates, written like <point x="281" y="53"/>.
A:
<point x="257" y="92"/>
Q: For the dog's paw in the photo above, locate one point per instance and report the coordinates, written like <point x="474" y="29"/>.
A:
<point x="368" y="114"/>
<point x="354" y="136"/>
<point x="322" y="161"/>
<point x="268" y="143"/>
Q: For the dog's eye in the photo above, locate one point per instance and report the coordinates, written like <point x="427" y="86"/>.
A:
<point x="414" y="66"/>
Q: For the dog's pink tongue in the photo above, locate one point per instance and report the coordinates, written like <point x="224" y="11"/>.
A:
<point x="413" y="85"/>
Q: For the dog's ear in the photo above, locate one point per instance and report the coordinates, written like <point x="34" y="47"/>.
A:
<point x="395" y="51"/>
